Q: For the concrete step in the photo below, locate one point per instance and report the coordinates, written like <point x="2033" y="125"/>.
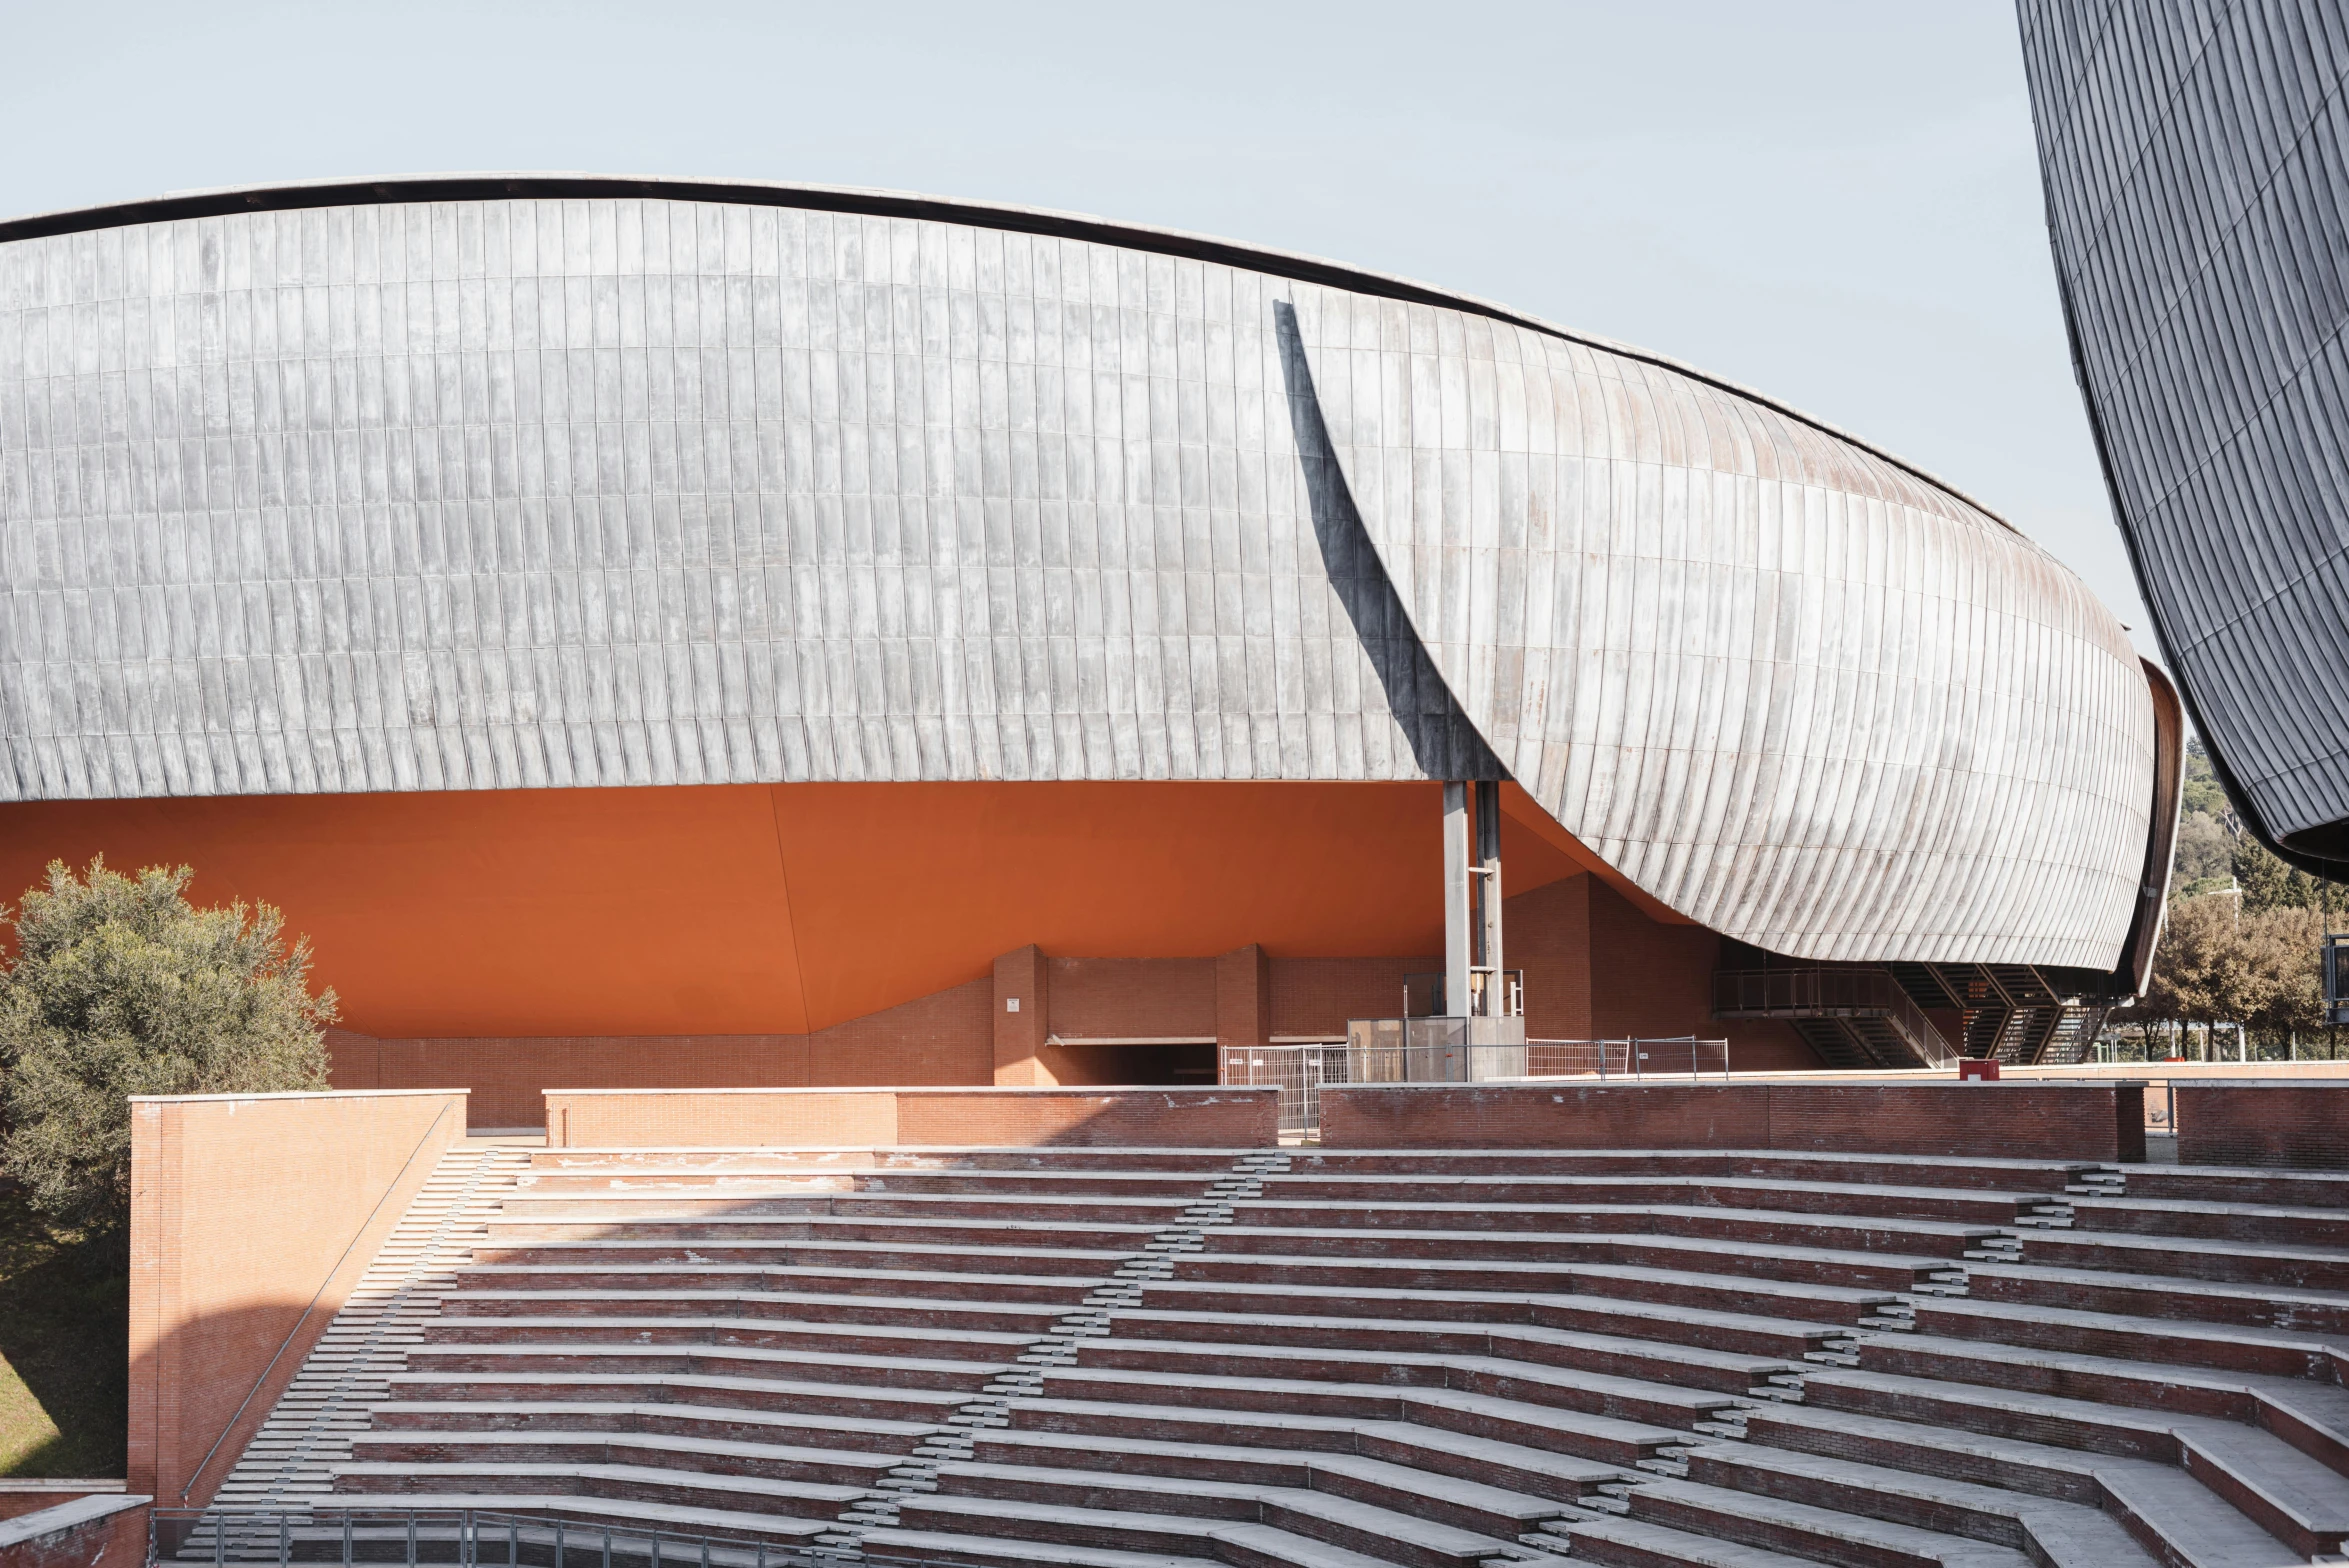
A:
<point x="1045" y="1161"/>
<point x="941" y="1315"/>
<point x="1723" y="1371"/>
<point x="1246" y="1544"/>
<point x="1765" y="1164"/>
<point x="1542" y="1465"/>
<point x="2102" y="1380"/>
<point x="1477" y="1231"/>
<point x="2259" y="1224"/>
<point x="550" y="1444"/>
<point x="830" y="1433"/>
<point x="1806" y="1531"/>
<point x="609" y="1483"/>
<point x="1807" y="1266"/>
<point x="1635" y="1543"/>
<point x="864" y="1340"/>
<point x="1346" y="1267"/>
<point x="1535" y="1193"/>
<point x="1375" y="1271"/>
<point x="929" y="1405"/>
<point x="2292" y="1496"/>
<point x="2256" y="1304"/>
<point x="550" y="1202"/>
<point x="2235" y="1184"/>
<point x="782" y="1528"/>
<point x="2054" y="1533"/>
<point x="2165" y="1341"/>
<point x="2283" y="1268"/>
<point x="724" y="1360"/>
<point x="1538" y="1482"/>
<point x="868" y="1255"/>
<point x="1558" y="1387"/>
<point x="1339" y="1520"/>
<point x="964" y="1285"/>
<point x="734" y="1230"/>
<point x="2180" y="1522"/>
<point x="1718" y="1332"/>
<point x="1587" y="1434"/>
<point x="990" y="1551"/>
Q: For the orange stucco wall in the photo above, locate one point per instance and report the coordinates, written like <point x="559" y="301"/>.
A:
<point x="750" y="910"/>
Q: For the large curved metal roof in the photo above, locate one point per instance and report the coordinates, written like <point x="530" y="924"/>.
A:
<point x="527" y="185"/>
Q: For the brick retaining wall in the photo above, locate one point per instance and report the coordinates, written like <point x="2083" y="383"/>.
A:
<point x="2279" y="1124"/>
<point x="78" y="1532"/>
<point x="1219" y="1118"/>
<point x="2037" y="1120"/>
<point x="246" y="1209"/>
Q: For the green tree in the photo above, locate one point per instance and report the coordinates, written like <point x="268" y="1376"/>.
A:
<point x="121" y="987"/>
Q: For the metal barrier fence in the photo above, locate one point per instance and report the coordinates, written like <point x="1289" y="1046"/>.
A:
<point x="1683" y="1055"/>
<point x="1298" y="1071"/>
<point x="464" y="1538"/>
<point x="1302" y="1071"/>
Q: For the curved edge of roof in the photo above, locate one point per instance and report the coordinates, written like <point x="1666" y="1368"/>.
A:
<point x="876" y="202"/>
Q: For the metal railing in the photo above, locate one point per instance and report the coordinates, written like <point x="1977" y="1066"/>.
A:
<point x="1831" y="993"/>
<point x="463" y="1538"/>
<point x="1680" y="1056"/>
<point x="1434" y="1055"/>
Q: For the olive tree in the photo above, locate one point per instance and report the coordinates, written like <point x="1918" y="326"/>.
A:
<point x="119" y="986"/>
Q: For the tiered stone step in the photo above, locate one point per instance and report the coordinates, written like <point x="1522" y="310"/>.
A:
<point x="1134" y="1358"/>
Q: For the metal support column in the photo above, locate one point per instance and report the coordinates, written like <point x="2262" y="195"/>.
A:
<point x="1459" y="946"/>
<point x="1487" y="1000"/>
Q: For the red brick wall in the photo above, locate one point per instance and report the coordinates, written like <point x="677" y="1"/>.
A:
<point x="2020" y="1120"/>
<point x="2288" y="1126"/>
<point x="1315" y="996"/>
<point x="1243" y="999"/>
<point x="1655" y="981"/>
<point x="118" y="1539"/>
<point x="1546" y="933"/>
<point x="244" y="1210"/>
<point x="1118" y="998"/>
<point x="886" y="1118"/>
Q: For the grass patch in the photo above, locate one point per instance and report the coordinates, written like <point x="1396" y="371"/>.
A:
<point x="64" y="1337"/>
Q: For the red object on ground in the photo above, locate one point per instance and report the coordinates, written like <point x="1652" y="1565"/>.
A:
<point x="1974" y="1069"/>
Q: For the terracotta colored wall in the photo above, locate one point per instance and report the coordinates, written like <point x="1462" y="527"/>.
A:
<point x="1942" y="1118"/>
<point x="243" y="1211"/>
<point x="940" y="1039"/>
<point x="757" y="910"/>
<point x="886" y="1118"/>
<point x="2281" y="1125"/>
<point x="1546" y="933"/>
<point x="116" y="1538"/>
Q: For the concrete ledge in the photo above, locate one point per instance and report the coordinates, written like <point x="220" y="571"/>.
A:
<point x="105" y="1526"/>
<point x="2280" y="1123"/>
<point x="1216" y="1118"/>
<point x="1933" y="1117"/>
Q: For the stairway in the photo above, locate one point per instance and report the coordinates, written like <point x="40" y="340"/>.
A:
<point x="310" y="1430"/>
<point x="1133" y="1358"/>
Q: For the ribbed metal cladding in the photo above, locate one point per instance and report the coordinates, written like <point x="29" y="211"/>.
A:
<point x="2197" y="172"/>
<point x="384" y="494"/>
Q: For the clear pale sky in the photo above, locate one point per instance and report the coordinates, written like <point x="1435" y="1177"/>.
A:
<point x="1834" y="203"/>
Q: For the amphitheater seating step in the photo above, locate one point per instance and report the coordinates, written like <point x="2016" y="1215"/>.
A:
<point x="1124" y="1358"/>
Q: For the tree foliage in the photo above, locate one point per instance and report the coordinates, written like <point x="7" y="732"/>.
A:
<point x="121" y="987"/>
<point x="2240" y="942"/>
